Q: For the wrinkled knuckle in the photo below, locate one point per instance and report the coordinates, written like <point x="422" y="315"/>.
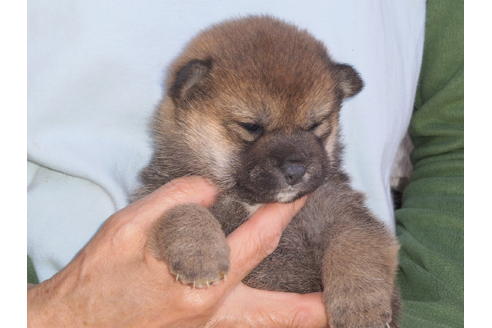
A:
<point x="302" y="317"/>
<point x="184" y="185"/>
<point x="177" y="188"/>
<point x="198" y="302"/>
<point x="268" y="242"/>
<point x="126" y="234"/>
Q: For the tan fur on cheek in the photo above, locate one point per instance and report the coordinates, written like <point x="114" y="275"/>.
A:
<point x="331" y="143"/>
<point x="206" y="137"/>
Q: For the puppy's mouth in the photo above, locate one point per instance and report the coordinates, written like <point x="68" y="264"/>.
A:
<point x="288" y="195"/>
<point x="276" y="190"/>
<point x="281" y="168"/>
<point x="285" y="195"/>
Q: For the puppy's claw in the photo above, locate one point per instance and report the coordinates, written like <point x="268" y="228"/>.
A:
<point x="200" y="283"/>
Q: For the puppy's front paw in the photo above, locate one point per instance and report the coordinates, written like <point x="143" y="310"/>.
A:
<point x="191" y="241"/>
<point x="200" y="265"/>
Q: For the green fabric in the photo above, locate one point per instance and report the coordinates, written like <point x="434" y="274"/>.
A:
<point x="32" y="277"/>
<point x="430" y="222"/>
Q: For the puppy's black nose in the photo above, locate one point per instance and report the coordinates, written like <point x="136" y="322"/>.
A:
<point x="293" y="172"/>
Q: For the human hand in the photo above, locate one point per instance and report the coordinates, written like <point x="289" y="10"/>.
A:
<point x="115" y="281"/>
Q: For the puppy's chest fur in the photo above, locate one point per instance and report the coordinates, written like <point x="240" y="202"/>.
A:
<point x="295" y="265"/>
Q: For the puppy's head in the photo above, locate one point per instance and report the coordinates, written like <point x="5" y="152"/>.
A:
<point x="255" y="103"/>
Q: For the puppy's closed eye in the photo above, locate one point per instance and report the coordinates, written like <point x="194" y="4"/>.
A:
<point x="248" y="132"/>
<point x="313" y="126"/>
<point x="252" y="127"/>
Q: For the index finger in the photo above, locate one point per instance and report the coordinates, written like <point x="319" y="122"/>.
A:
<point x="192" y="189"/>
<point x="258" y="237"/>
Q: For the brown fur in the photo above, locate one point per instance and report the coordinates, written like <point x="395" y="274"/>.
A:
<point x="253" y="104"/>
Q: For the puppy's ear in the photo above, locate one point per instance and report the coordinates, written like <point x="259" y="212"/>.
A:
<point x="190" y="81"/>
<point x="348" y="80"/>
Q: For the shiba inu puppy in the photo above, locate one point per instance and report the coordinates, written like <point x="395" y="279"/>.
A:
<point x="253" y="104"/>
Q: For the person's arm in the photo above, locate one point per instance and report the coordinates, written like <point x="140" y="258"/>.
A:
<point x="430" y="222"/>
<point x="115" y="281"/>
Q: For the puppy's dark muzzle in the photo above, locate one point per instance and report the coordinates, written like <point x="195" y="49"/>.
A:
<point x="279" y="163"/>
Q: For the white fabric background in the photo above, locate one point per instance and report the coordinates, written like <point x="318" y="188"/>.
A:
<point x="95" y="74"/>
